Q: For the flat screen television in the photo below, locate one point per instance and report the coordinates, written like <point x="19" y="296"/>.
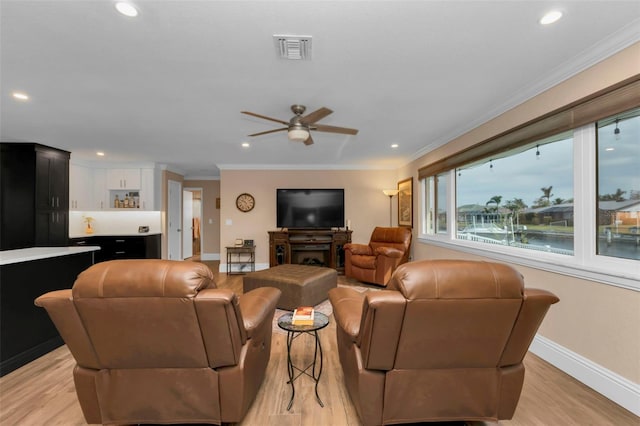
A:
<point x="310" y="208"/>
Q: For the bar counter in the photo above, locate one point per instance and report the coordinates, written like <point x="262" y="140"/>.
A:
<point x="26" y="332"/>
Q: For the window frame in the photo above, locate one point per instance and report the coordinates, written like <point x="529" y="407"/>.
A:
<point x="585" y="263"/>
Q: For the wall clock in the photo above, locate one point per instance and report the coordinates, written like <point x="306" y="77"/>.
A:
<point x="245" y="202"/>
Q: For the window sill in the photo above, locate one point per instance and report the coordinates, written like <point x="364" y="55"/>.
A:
<point x="561" y="264"/>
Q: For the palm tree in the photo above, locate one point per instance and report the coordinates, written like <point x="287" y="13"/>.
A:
<point x="547" y="193"/>
<point x="515" y="206"/>
<point x="616" y="196"/>
<point x="496" y="199"/>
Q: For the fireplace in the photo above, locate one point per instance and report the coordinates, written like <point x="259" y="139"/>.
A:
<point x="313" y="255"/>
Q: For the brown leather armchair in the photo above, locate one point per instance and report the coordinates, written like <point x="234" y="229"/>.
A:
<point x="444" y="342"/>
<point x="156" y="342"/>
<point x="375" y="262"/>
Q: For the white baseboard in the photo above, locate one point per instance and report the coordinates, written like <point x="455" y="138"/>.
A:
<point x="210" y="256"/>
<point x="258" y="267"/>
<point x="613" y="386"/>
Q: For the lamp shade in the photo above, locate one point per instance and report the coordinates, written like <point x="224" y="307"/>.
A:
<point x="390" y="192"/>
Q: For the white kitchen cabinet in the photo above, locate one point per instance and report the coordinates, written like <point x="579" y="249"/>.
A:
<point x="101" y="193"/>
<point x="143" y="183"/>
<point x="150" y="189"/>
<point x="123" y="179"/>
<point x="81" y="188"/>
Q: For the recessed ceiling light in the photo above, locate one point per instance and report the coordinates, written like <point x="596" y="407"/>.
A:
<point x="100" y="154"/>
<point x="395" y="145"/>
<point x="245" y="144"/>
<point x="21" y="96"/>
<point x="550" y="17"/>
<point x="127" y="9"/>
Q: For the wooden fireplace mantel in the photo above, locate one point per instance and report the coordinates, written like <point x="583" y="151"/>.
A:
<point x="322" y="247"/>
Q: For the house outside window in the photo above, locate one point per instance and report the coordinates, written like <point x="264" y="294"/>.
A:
<point x="618" y="217"/>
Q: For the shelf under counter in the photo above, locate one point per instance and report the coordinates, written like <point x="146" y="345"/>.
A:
<point x="113" y="247"/>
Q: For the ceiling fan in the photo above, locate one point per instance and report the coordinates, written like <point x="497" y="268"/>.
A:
<point x="299" y="127"/>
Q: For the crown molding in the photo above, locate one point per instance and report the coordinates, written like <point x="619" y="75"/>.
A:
<point x="186" y="178"/>
<point x="605" y="48"/>
<point x="302" y="167"/>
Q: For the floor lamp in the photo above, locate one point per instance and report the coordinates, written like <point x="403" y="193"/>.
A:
<point x="390" y="193"/>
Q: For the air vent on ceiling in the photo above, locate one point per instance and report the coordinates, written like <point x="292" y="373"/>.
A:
<point x="293" y="47"/>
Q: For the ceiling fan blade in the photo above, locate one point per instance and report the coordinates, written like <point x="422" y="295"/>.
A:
<point x="309" y="140"/>
<point x="334" y="129"/>
<point x="316" y="115"/>
<point x="264" y="117"/>
<point x="270" y="131"/>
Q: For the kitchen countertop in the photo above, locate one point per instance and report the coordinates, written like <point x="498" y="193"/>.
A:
<point x="34" y="253"/>
<point x="112" y="234"/>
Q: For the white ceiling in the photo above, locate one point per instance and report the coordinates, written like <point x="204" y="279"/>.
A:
<point x="169" y="85"/>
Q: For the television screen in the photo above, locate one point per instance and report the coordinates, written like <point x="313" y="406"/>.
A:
<point x="310" y="208"/>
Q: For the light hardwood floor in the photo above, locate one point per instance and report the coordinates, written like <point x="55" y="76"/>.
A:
<point x="42" y="392"/>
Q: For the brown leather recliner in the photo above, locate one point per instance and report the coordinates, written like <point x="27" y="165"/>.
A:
<point x="444" y="342"/>
<point x="375" y="262"/>
<point x="156" y="342"/>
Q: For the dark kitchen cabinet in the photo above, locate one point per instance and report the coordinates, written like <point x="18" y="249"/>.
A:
<point x="122" y="247"/>
<point x="34" y="198"/>
<point x="26" y="332"/>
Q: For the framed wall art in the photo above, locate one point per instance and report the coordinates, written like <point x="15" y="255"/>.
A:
<point x="405" y="203"/>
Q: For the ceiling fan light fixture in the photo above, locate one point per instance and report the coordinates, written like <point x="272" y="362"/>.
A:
<point x="298" y="134"/>
<point x="299" y="126"/>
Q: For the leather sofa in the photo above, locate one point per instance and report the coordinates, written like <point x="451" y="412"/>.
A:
<point x="375" y="262"/>
<point x="156" y="342"/>
<point x="444" y="342"/>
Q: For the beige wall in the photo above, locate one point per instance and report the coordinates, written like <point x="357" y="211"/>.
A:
<point x="599" y="322"/>
<point x="365" y="204"/>
<point x="210" y="225"/>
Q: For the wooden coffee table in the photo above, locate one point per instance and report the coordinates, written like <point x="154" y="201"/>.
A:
<point x="320" y="321"/>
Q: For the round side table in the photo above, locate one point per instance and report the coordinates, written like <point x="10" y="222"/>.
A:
<point x="320" y="321"/>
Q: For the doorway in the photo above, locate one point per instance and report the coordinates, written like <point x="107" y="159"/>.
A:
<point x="174" y="221"/>
<point x="187" y="224"/>
<point x="192" y="217"/>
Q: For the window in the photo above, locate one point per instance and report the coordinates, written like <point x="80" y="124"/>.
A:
<point x="567" y="203"/>
<point x="435" y="190"/>
<point x="618" y="163"/>
<point x="521" y="198"/>
<point x="428" y="218"/>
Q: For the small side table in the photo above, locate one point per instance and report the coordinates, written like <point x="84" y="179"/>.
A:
<point x="242" y="256"/>
<point x="320" y="321"/>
